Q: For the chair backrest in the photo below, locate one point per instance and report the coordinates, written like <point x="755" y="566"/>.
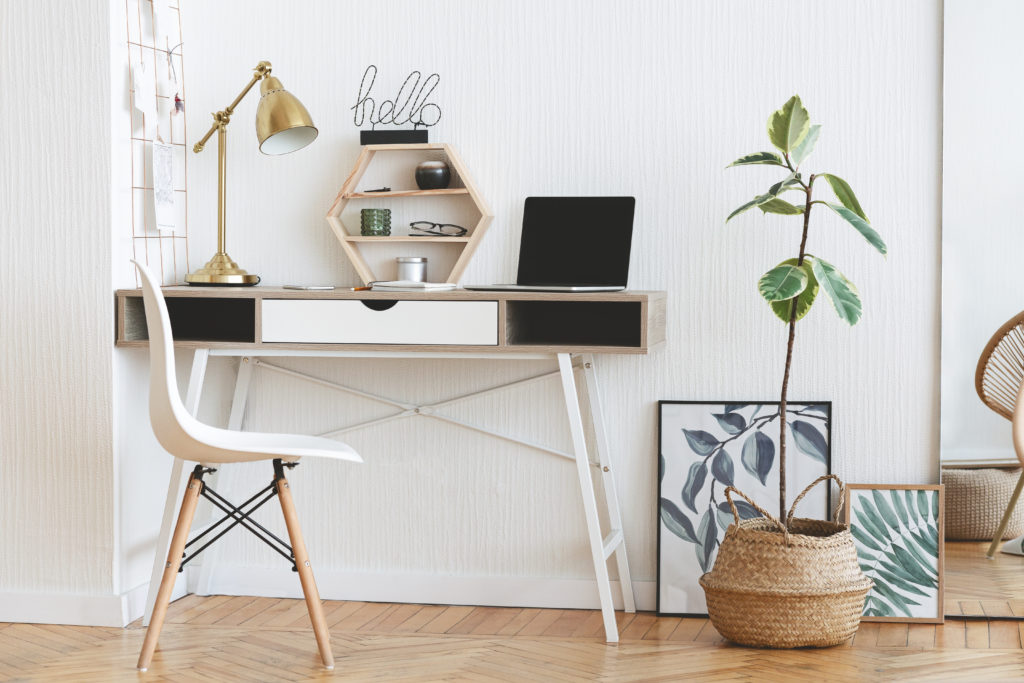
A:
<point x="171" y="421"/>
<point x="1000" y="370"/>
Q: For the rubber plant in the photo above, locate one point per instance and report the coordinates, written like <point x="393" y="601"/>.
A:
<point x="792" y="287"/>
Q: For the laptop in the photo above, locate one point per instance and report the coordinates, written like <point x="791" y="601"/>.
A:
<point x="573" y="244"/>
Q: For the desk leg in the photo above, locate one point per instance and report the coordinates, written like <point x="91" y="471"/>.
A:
<point x="611" y="494"/>
<point x="175" y="485"/>
<point x="241" y="395"/>
<point x="579" y="443"/>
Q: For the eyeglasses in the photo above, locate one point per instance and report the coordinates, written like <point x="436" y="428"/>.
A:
<point x="425" y="228"/>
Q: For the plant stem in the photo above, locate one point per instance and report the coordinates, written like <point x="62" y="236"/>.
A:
<point x="789" y="360"/>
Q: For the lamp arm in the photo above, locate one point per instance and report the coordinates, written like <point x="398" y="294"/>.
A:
<point x="223" y="117"/>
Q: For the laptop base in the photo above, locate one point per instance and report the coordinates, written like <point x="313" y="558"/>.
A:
<point x="544" y="288"/>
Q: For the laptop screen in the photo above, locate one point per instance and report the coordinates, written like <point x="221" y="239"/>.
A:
<point x="576" y="241"/>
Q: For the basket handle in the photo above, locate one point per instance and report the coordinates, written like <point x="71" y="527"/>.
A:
<point x="824" y="477"/>
<point x="764" y="513"/>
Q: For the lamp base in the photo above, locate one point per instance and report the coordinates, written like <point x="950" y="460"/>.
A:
<point x="222" y="271"/>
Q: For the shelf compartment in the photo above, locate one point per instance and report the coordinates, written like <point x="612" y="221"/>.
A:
<point x="407" y="193"/>
<point x="579" y="323"/>
<point x="196" y="319"/>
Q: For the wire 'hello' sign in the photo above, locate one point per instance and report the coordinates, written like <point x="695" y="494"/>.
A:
<point x="410" y="104"/>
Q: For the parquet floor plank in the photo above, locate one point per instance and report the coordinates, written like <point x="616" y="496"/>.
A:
<point x="1003" y="635"/>
<point x="921" y="636"/>
<point x="977" y="634"/>
<point x="892" y="635"/>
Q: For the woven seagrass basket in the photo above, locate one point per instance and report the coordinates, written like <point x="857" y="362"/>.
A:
<point x="773" y="586"/>
<point x="976" y="500"/>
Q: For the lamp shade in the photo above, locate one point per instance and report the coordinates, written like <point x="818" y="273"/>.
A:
<point x="282" y="124"/>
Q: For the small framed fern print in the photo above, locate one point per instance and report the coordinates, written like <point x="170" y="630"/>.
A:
<point x="899" y="534"/>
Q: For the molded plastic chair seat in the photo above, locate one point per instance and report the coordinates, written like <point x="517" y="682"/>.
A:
<point x="213" y="445"/>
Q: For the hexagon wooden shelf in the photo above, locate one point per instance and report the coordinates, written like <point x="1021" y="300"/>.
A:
<point x="462" y="186"/>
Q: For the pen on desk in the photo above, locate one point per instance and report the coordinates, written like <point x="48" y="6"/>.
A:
<point x="360" y="289"/>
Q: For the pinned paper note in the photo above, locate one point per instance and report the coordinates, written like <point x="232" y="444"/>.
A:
<point x="144" y="86"/>
<point x="163" y="186"/>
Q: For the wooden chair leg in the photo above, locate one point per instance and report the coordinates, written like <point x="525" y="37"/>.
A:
<point x="316" y="610"/>
<point x="163" y="596"/>
<point x="1005" y="521"/>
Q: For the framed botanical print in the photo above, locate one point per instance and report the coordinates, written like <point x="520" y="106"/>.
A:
<point x="705" y="447"/>
<point x="899" y="532"/>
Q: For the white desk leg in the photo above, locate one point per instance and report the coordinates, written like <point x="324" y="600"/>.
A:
<point x="611" y="493"/>
<point x="242" y="381"/>
<point x="579" y="443"/>
<point x="175" y="486"/>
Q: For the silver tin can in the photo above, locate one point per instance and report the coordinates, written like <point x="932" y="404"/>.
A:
<point x="413" y="268"/>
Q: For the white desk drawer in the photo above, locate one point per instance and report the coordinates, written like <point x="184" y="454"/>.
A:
<point x="348" y="321"/>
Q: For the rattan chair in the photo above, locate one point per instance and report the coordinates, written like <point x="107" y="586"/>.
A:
<point x="999" y="380"/>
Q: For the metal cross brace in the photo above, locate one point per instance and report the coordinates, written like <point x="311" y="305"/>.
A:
<point x="424" y="410"/>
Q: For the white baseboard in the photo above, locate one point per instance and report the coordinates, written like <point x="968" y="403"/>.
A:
<point x="492" y="591"/>
<point x="78" y="610"/>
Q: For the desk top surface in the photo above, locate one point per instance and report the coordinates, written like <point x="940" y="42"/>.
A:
<point x="270" y="292"/>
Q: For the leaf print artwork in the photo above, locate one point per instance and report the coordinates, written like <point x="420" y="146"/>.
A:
<point x="897" y="534"/>
<point x="706" y="447"/>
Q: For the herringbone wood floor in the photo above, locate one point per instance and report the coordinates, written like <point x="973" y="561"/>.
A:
<point x="262" y="639"/>
<point x="224" y="638"/>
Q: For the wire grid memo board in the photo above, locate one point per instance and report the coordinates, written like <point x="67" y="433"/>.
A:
<point x="154" y="49"/>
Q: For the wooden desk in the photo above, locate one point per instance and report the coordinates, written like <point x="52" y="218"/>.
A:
<point x="263" y="322"/>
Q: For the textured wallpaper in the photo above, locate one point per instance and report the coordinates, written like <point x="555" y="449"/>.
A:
<point x="650" y="99"/>
<point x="56" y="313"/>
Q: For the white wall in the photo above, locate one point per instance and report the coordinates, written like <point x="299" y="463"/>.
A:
<point x="981" y="237"/>
<point x="646" y="98"/>
<point x="56" y="312"/>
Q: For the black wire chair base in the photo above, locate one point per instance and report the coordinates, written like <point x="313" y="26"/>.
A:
<point x="240" y="516"/>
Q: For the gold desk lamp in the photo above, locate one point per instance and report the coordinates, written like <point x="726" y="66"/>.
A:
<point x="282" y="125"/>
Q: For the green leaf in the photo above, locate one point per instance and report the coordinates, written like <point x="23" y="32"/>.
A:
<point x="806" y="146"/>
<point x="778" y="187"/>
<point x="913" y="565"/>
<point x="760" y="199"/>
<point x="770" y="158"/>
<point x="780" y="206"/>
<point x="732" y="423"/>
<point x="676" y="521"/>
<point x="782" y="309"/>
<point x="883" y="508"/>
<point x="788" y="126"/>
<point x="922" y="503"/>
<point x="897" y="570"/>
<point x="722" y="468"/>
<point x="902" y="584"/>
<point x="901" y="602"/>
<point x="921" y="557"/>
<point x="758" y="456"/>
<point x="707" y="539"/>
<point x="897" y="505"/>
<point x="784" y="281"/>
<point x="809" y="440"/>
<point x="844" y="193"/>
<point x="872" y="521"/>
<point x="694" y="483"/>
<point x="841" y="291"/>
<point x="862" y="226"/>
<point x="700" y="441"/>
<point x="864" y="538"/>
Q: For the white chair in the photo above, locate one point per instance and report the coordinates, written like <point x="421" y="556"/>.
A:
<point x="187" y="438"/>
